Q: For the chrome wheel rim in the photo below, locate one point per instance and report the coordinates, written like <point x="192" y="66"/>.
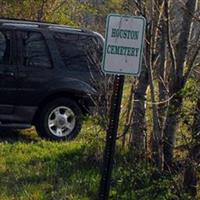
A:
<point x="61" y="121"/>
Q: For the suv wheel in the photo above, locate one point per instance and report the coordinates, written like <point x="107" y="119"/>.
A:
<point x="59" y="120"/>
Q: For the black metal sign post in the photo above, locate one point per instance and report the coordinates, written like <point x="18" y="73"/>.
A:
<point x="111" y="137"/>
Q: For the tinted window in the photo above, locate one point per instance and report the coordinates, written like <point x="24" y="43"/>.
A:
<point x="35" y="50"/>
<point x="77" y="51"/>
<point x="4" y="47"/>
<point x="93" y="50"/>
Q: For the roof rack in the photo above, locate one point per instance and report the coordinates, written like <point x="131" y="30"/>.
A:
<point x="24" y="22"/>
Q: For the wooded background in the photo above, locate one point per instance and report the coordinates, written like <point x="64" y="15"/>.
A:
<point x="160" y="120"/>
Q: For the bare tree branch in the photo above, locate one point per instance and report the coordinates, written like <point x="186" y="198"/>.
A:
<point x="170" y="46"/>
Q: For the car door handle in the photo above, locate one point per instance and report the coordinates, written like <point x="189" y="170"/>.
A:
<point x="9" y="74"/>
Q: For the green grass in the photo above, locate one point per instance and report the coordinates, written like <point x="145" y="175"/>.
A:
<point x="35" y="169"/>
<point x="31" y="168"/>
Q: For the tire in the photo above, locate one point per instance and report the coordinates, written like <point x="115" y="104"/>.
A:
<point x="61" y="119"/>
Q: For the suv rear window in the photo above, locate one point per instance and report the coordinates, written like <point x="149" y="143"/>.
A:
<point x="79" y="52"/>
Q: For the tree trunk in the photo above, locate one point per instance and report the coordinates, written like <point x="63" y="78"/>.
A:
<point x="161" y="78"/>
<point x="169" y="131"/>
<point x="138" y="126"/>
<point x="175" y="89"/>
<point x="190" y="174"/>
<point x="190" y="180"/>
<point x="159" y="45"/>
<point x="196" y="123"/>
<point x="128" y="116"/>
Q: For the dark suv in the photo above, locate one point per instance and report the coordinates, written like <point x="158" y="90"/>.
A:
<point x="48" y="76"/>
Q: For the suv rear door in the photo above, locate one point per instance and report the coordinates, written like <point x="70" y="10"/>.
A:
<point x="8" y="72"/>
<point x="35" y="68"/>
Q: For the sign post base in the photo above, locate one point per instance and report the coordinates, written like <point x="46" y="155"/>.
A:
<point x="111" y="137"/>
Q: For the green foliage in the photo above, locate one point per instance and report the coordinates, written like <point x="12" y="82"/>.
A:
<point x="31" y="168"/>
<point x="191" y="89"/>
<point x="190" y="96"/>
<point x="139" y="181"/>
<point x="71" y="12"/>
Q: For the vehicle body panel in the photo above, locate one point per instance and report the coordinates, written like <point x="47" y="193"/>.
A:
<point x="24" y="89"/>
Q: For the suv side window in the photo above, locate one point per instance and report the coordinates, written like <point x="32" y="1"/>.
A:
<point x="4" y="47"/>
<point x="35" y="50"/>
<point x="71" y="49"/>
<point x="92" y="49"/>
